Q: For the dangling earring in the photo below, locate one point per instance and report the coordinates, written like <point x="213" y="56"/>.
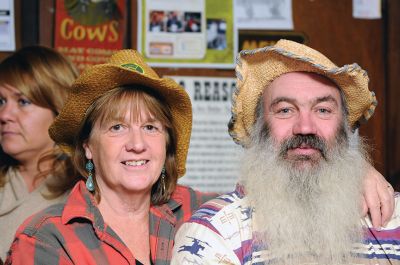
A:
<point x="162" y="182"/>
<point x="89" y="181"/>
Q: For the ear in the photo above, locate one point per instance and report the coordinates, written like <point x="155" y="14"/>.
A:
<point x="88" y="151"/>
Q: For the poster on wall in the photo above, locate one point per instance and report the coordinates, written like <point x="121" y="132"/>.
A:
<point x="190" y="33"/>
<point x="212" y="163"/>
<point x="367" y="9"/>
<point x="253" y="39"/>
<point x="264" y="14"/>
<point x="7" y="27"/>
<point x="88" y="32"/>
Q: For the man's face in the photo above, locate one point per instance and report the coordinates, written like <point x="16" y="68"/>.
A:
<point x="303" y="112"/>
<point x="299" y="158"/>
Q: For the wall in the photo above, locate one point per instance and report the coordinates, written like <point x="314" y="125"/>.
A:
<point x="330" y="28"/>
<point x="393" y="92"/>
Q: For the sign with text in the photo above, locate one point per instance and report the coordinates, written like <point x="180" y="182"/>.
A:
<point x="253" y="39"/>
<point x="88" y="32"/>
<point x="212" y="163"/>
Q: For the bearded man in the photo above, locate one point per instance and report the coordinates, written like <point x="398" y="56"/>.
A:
<point x="297" y="200"/>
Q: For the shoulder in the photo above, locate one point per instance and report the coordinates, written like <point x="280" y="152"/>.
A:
<point x="185" y="201"/>
<point x="229" y="203"/>
<point x="219" y="228"/>
<point x="43" y="223"/>
<point x="225" y="213"/>
<point x="190" y="199"/>
<point x="41" y="239"/>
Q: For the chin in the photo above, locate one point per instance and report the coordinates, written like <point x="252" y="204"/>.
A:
<point x="11" y="151"/>
<point x="305" y="162"/>
<point x="137" y="186"/>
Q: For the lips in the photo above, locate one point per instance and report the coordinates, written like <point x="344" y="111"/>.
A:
<point x="304" y="150"/>
<point x="5" y="133"/>
<point x="303" y="145"/>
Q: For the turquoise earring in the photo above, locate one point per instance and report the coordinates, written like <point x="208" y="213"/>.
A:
<point x="89" y="181"/>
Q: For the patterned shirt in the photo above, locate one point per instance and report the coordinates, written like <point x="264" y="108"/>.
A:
<point x="222" y="232"/>
<point x="75" y="232"/>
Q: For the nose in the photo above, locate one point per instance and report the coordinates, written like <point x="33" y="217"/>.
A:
<point x="136" y="142"/>
<point x="7" y="112"/>
<point x="305" y="124"/>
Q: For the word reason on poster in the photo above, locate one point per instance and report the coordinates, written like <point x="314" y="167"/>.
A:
<point x="213" y="156"/>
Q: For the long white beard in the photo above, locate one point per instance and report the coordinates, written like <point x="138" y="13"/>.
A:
<point x="309" y="214"/>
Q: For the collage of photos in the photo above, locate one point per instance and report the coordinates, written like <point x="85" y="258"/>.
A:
<point x="179" y="22"/>
<point x="175" y="33"/>
<point x="174" y="21"/>
<point x="191" y="33"/>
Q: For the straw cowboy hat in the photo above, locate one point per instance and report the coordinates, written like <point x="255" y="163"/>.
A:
<point x="256" y="69"/>
<point x="125" y="67"/>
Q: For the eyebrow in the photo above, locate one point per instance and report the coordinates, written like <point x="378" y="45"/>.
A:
<point x="327" y="98"/>
<point x="16" y="94"/>
<point x="282" y="99"/>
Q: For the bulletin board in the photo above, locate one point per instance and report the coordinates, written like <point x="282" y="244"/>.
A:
<point x="333" y="20"/>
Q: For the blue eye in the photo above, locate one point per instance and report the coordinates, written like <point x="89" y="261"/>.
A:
<point x="2" y="101"/>
<point x="24" y="102"/>
<point x="284" y="112"/>
<point x="324" y="111"/>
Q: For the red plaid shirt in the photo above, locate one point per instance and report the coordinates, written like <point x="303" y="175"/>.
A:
<point x="75" y="232"/>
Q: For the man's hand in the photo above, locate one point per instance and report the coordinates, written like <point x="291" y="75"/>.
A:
<point x="378" y="198"/>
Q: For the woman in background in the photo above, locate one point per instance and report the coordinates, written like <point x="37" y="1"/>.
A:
<point x="34" y="172"/>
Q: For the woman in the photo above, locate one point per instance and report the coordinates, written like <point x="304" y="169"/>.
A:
<point x="34" y="83"/>
<point x="129" y="131"/>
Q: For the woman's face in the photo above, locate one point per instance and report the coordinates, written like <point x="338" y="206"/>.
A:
<point x="128" y="155"/>
<point x="23" y="126"/>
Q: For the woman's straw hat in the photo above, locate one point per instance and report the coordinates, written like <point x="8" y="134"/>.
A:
<point x="256" y="69"/>
<point x="125" y="67"/>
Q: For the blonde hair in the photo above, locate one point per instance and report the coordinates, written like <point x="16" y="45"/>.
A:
<point x="113" y="106"/>
<point x="44" y="76"/>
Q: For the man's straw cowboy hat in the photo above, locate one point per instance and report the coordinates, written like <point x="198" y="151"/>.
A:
<point x="256" y="69"/>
